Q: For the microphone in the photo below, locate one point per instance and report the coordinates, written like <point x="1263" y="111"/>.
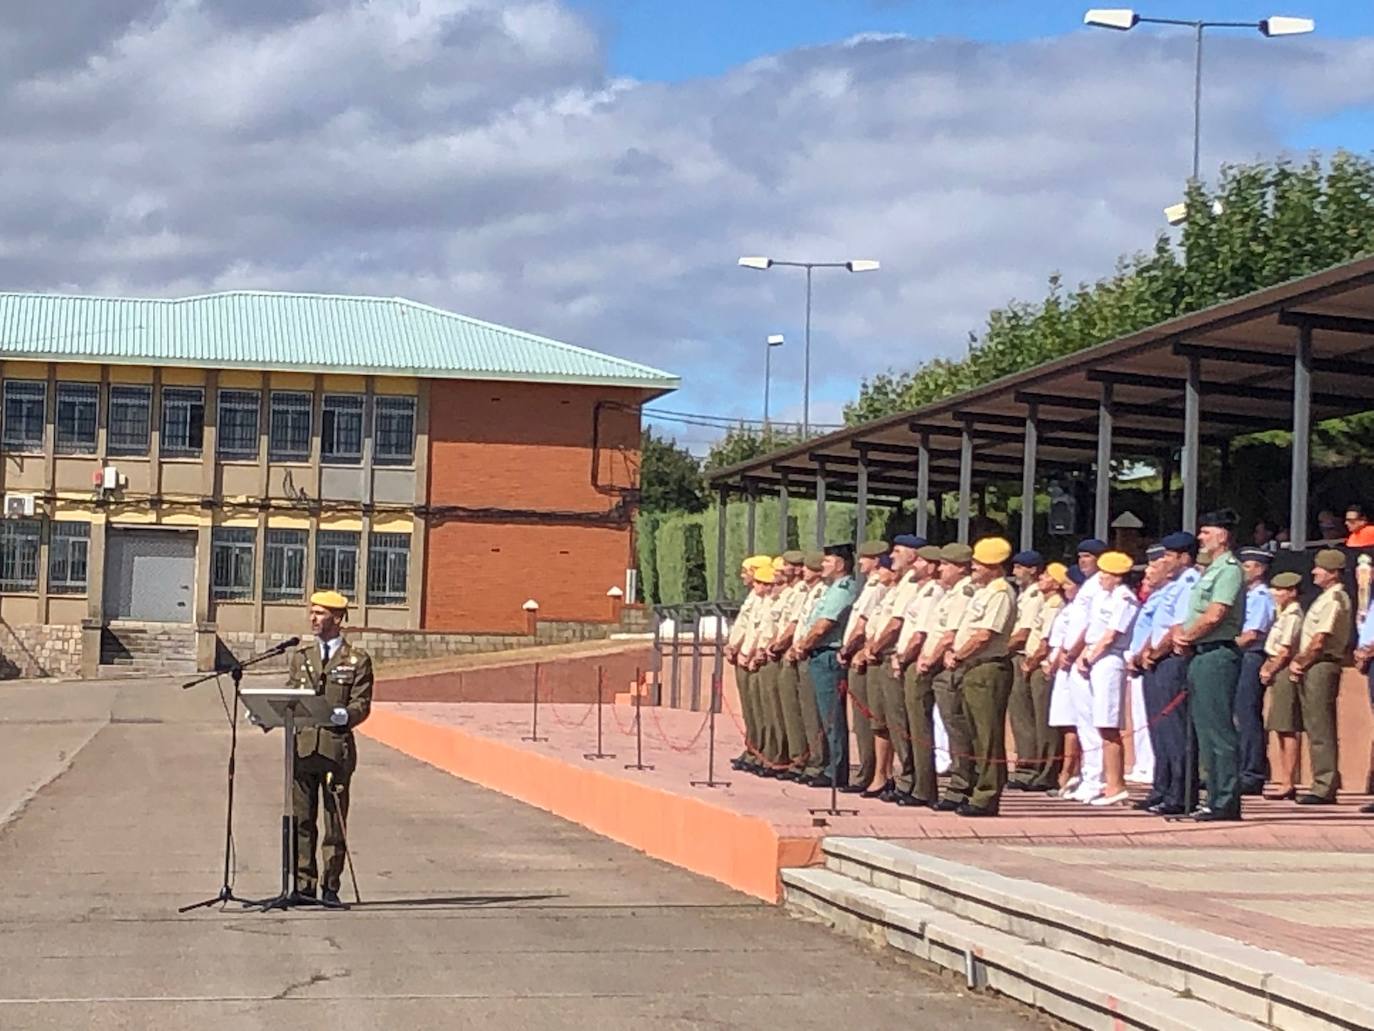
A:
<point x="290" y="642"/>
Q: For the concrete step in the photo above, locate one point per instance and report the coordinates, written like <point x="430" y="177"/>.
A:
<point x="1252" y="984"/>
<point x="1074" y="990"/>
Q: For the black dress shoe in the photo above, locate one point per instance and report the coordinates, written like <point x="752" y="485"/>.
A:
<point x="947" y="805"/>
<point x="1367" y="808"/>
<point x="1253" y="790"/>
<point x="1147" y="804"/>
<point x="907" y="800"/>
<point x="968" y="809"/>
<point x="1311" y="799"/>
<point x="1163" y="809"/>
<point x="1215" y="816"/>
<point x="1017" y="785"/>
<point x="887" y="786"/>
<point x="737" y="764"/>
<point x="848" y="789"/>
<point x="1035" y="789"/>
<point x="1287" y="796"/>
<point x="330" y="900"/>
<point x="889" y="796"/>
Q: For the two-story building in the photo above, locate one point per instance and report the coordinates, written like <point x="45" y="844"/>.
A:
<point x="196" y="467"/>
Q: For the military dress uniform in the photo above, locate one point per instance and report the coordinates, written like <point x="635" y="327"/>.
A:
<point x="744" y="678"/>
<point x="1169" y="726"/>
<point x="815" y="749"/>
<point x="885" y="686"/>
<point x="868" y="600"/>
<point x="1212" y="678"/>
<point x="1285" y="708"/>
<point x="1329" y="614"/>
<point x="826" y="675"/>
<point x="918" y="689"/>
<point x="946" y="682"/>
<point x="329" y="752"/>
<point x="1259" y="617"/>
<point x="984" y="680"/>
<point x="1042" y="761"/>
<point x="1021" y="707"/>
<point x="789" y="678"/>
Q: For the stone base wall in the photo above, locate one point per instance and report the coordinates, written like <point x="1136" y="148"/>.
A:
<point x="31" y="650"/>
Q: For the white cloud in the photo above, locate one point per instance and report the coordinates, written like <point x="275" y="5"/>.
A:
<point x="476" y="154"/>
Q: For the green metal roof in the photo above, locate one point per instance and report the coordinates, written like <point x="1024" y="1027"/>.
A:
<point x="300" y="332"/>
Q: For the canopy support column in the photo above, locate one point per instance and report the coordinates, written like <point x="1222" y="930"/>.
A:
<point x="923" y="486"/>
<point x="724" y="498"/>
<point x="861" y="504"/>
<point x="820" y="506"/>
<point x="965" y="479"/>
<point x="1102" y="503"/>
<point x="1028" y="478"/>
<point x="1302" y="438"/>
<point x="1192" y="416"/>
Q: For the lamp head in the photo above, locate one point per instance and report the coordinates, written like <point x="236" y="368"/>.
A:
<point x="775" y="340"/>
<point x="1119" y="18"/>
<point x="1278" y="25"/>
<point x="761" y="264"/>
<point x="862" y="265"/>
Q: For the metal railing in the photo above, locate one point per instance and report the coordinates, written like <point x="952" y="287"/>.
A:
<point x="688" y="639"/>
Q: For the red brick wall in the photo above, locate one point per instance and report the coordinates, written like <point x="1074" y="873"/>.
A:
<point x="523" y="446"/>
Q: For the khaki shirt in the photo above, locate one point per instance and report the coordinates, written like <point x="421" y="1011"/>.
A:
<point x="743" y="620"/>
<point x="868" y="598"/>
<point x="346" y="680"/>
<point x="949" y="610"/>
<point x="810" y="595"/>
<point x="1330" y="615"/>
<point x="762" y="625"/>
<point x="991" y="608"/>
<point x="1028" y="605"/>
<point x="893" y="606"/>
<point x="1050" y="605"/>
<point x="921" y="613"/>
<point x="1284" y="631"/>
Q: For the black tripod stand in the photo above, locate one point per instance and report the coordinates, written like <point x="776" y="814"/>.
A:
<point x="226" y="891"/>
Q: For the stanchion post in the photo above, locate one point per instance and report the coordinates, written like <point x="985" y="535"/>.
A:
<point x="534" y="714"/>
<point x="717" y="685"/>
<point x="1190" y="792"/>
<point x="638" y="764"/>
<point x="834" y="807"/>
<point x="600" y="753"/>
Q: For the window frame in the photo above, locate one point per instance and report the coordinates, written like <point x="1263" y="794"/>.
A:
<point x="25" y="444"/>
<point x="190" y="398"/>
<point x="379" y="403"/>
<point x="335" y="543"/>
<point x="275" y="585"/>
<point x="290" y="412"/>
<point x="240" y="545"/>
<point x="11" y="538"/>
<point x="233" y="401"/>
<point x="387" y="546"/>
<point x="90" y="398"/>
<point x="329" y="430"/>
<point x="63" y="541"/>
<point x="127" y="390"/>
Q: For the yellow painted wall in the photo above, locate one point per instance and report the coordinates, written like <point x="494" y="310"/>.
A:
<point x="339" y="384"/>
<point x="287" y="521"/>
<point x="240" y="379"/>
<point x="392" y="522"/>
<point x="177" y="376"/>
<point x="26" y="370"/>
<point x="335" y="521"/>
<point x="131" y="374"/>
<point x="78" y="372"/>
<point x="406" y="385"/>
<point x="293" y="381"/>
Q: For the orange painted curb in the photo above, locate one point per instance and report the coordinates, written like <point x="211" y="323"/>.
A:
<point x="743" y="852"/>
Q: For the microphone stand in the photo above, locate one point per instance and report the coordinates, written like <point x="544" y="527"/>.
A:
<point x="226" y="891"/>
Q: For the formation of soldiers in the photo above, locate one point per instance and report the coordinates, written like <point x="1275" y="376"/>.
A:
<point x="925" y="648"/>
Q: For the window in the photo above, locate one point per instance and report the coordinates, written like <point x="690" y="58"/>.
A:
<point x="394" y="431"/>
<point x="283" y="573"/>
<point x="19" y="554"/>
<point x="388" y="560"/>
<point x="288" y="429"/>
<point x="183" y="420"/>
<point x="67" y="552"/>
<point x="231" y="563"/>
<point x="341" y="429"/>
<point x="336" y="562"/>
<point x="131" y="410"/>
<point x="25" y="401"/>
<point x="238" y="423"/>
<point x="78" y="406"/>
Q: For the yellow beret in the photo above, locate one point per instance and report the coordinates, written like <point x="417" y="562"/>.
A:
<point x="763" y="574"/>
<point x="329" y="600"/>
<point x="754" y="562"/>
<point x="1058" y="572"/>
<point x="778" y="564"/>
<point x="992" y="551"/>
<point x="1116" y="562"/>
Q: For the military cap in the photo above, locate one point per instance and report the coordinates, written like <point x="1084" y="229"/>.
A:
<point x="1288" y="581"/>
<point x="1092" y="546"/>
<point x="992" y="551"/>
<point x="778" y="563"/>
<point x="1256" y="555"/>
<point x="884" y="561"/>
<point x="1225" y="518"/>
<point x="844" y="550"/>
<point x="793" y="557"/>
<point x="1182" y="540"/>
<point x="1058" y="572"/>
<point x="959" y="554"/>
<point x="872" y="549"/>
<point x="812" y="560"/>
<point x="1077" y="576"/>
<point x="755" y="561"/>
<point x="1155" y="551"/>
<point x="329" y="600"/>
<point x="1030" y="557"/>
<point x="763" y="574"/>
<point x="931" y="552"/>
<point x="1330" y="559"/>
<point x="1116" y="562"/>
<point x="908" y="540"/>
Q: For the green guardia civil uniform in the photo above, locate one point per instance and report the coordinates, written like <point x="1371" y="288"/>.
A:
<point x="346" y="681"/>
<point x="1212" y="678"/>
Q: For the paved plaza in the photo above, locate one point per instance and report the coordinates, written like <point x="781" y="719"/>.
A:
<point x="477" y="909"/>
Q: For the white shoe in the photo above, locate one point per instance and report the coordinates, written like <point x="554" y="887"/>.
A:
<point x="1139" y="777"/>
<point x="1117" y="799"/>
<point x="1070" y="786"/>
<point x="1086" y="793"/>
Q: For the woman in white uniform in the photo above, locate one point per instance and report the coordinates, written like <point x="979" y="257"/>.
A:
<point x="1067" y="629"/>
<point x="1100" y="709"/>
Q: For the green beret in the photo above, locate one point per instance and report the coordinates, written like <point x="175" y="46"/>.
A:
<point x="961" y="554"/>
<point x="793" y="557"/>
<point x="931" y="552"/>
<point x="1286" y="580"/>
<point x="1331" y="559"/>
<point x="872" y="549"/>
<point x="812" y="560"/>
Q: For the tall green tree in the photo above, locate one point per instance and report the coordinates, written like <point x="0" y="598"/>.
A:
<point x="742" y="443"/>
<point x="669" y="477"/>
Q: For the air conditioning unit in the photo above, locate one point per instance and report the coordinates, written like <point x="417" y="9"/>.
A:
<point x="19" y="506"/>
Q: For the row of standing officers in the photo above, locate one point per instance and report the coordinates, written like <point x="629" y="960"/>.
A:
<point x="933" y="642"/>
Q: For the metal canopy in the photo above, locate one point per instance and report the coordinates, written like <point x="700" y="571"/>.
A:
<point x="1245" y="351"/>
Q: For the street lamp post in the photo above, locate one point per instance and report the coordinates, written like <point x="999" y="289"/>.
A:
<point x="763" y="264"/>
<point x="1123" y="19"/>
<point x="773" y="341"/>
